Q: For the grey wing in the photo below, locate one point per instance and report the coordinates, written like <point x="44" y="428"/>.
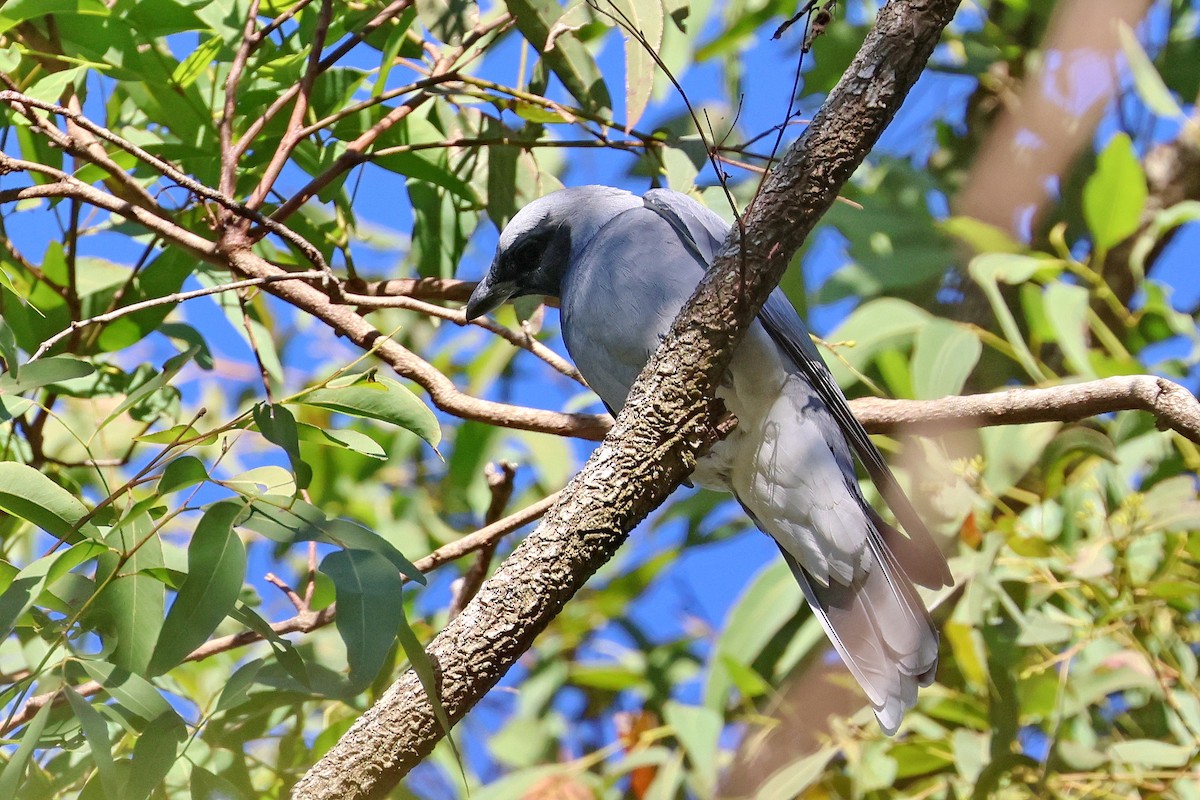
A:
<point x="917" y="554"/>
<point x="693" y="222"/>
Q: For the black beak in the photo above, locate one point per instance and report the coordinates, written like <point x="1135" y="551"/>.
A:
<point x="488" y="295"/>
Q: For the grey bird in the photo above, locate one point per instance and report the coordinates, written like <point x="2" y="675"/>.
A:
<point x="622" y="267"/>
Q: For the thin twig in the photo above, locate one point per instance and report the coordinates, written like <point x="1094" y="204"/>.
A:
<point x="458" y="317"/>
<point x="275" y="24"/>
<point x="289" y="592"/>
<point x="170" y="299"/>
<point x="500" y="482"/>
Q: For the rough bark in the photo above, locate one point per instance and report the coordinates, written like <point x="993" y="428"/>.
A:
<point x="654" y="443"/>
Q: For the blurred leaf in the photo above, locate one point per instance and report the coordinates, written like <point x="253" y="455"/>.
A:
<point x="197" y="62"/>
<point x="208" y="786"/>
<point x="765" y="606"/>
<point x="1150" y="87"/>
<point x="1151" y="753"/>
<point x="1068" y="316"/>
<point x="698" y="730"/>
<point x="944" y="356"/>
<point x="1115" y="195"/>
<point x="44" y="371"/>
<point x="14" y="770"/>
<point x="980" y="236"/>
<point x="870" y="328"/>
<point x="793" y="780"/>
<point x="95" y="730"/>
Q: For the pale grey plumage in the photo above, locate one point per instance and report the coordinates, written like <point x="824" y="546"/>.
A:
<point x="623" y="266"/>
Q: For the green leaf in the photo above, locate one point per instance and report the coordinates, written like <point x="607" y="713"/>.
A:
<point x="285" y="652"/>
<point x="132" y="691"/>
<point x="944" y="356"/>
<point x="180" y="473"/>
<point x="169" y="370"/>
<point x="30" y="495"/>
<point x="154" y="753"/>
<point x="8" y="342"/>
<point x="300" y="522"/>
<point x="208" y="786"/>
<point x="564" y="54"/>
<point x="378" y="398"/>
<point x="698" y="729"/>
<point x="1067" y="306"/>
<point x="641" y="24"/>
<point x="1149" y="83"/>
<point x="175" y="434"/>
<point x="197" y="62"/>
<point x="14" y="770"/>
<point x="44" y="371"/>
<point x="132" y="604"/>
<point x="1115" y="194"/>
<point x="278" y="426"/>
<point x="1151" y="753"/>
<point x="95" y="730"/>
<point x="31" y="581"/>
<point x="216" y="571"/>
<point x="368" y="605"/>
<point x="418" y="659"/>
<point x="344" y="438"/>
<point x="792" y="781"/>
<point x="236" y="689"/>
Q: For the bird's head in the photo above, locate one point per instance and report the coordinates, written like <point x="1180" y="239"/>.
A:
<point x="541" y="241"/>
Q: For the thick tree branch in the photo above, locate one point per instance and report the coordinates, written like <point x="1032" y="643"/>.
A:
<point x="1173" y="405"/>
<point x="667" y="419"/>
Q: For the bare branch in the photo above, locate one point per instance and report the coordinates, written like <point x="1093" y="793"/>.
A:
<point x="1173" y="406"/>
<point x="421" y="288"/>
<point x="282" y="585"/>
